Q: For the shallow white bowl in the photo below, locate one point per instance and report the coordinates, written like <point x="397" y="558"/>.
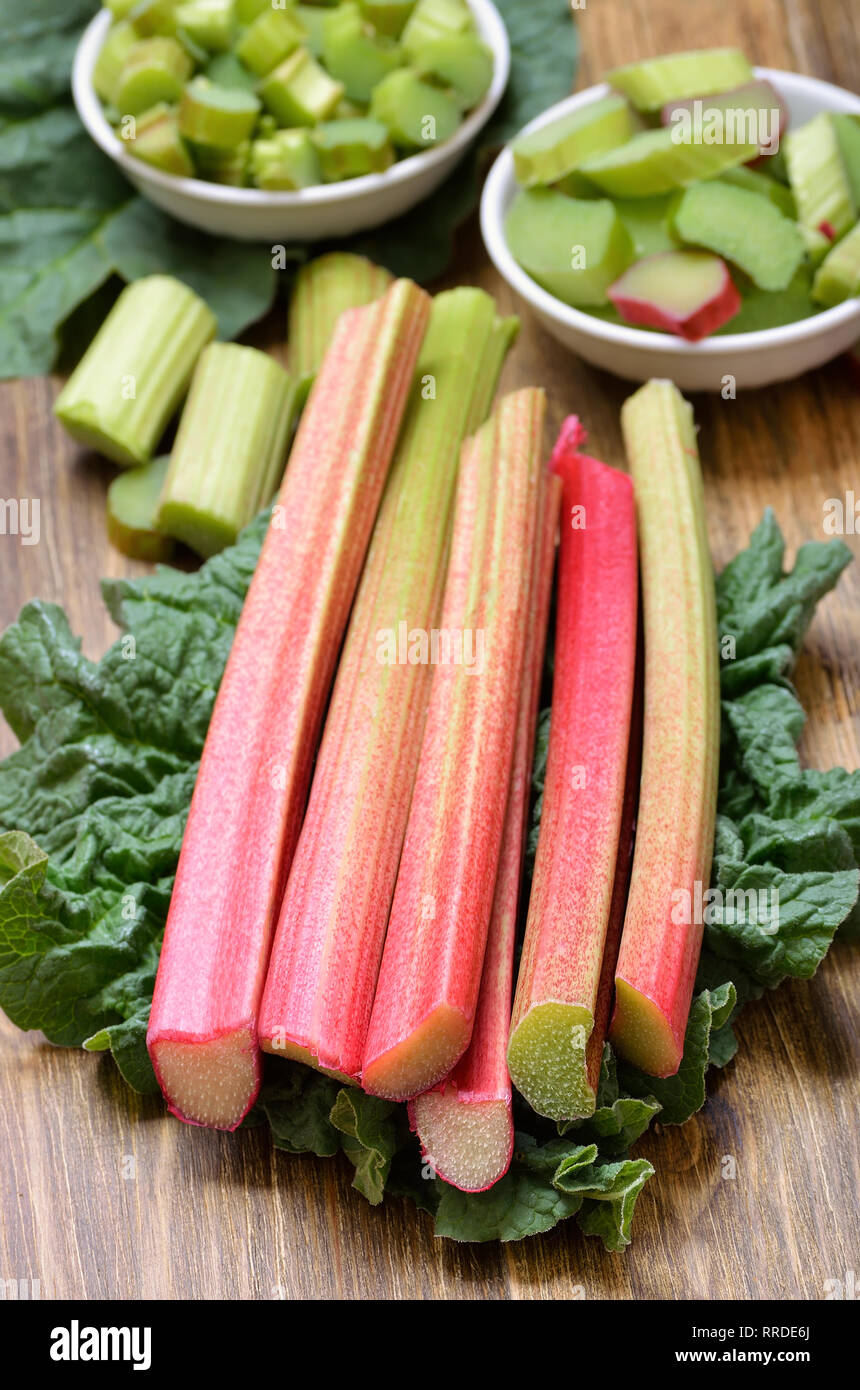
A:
<point x="311" y="214"/>
<point x="753" y="359"/>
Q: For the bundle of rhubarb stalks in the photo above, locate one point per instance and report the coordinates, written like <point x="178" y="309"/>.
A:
<point x="348" y="889"/>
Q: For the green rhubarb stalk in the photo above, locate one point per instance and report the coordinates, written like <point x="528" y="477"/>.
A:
<point x="132" y="504"/>
<point x="255" y="770"/>
<point x="217" y="117"/>
<point x="661" y="939"/>
<point x="230" y="447"/>
<point x="555" y="1009"/>
<point x="109" y="64"/>
<point x="466" y="1125"/>
<point x="326" y="954"/>
<point x="136" y="371"/>
<point x="429" y="979"/>
<point x="820" y="182"/>
<point x="155" y="70"/>
<point x="838" y="276"/>
<point x="324" y="288"/>
<point x="285" y="159"/>
<point x="271" y="38"/>
<point x="209" y="23"/>
<point x="502" y="339"/>
<point x="157" y="141"/>
<point x="300" y="92"/>
<point x="675" y="76"/>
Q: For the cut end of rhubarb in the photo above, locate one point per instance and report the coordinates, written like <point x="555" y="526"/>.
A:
<point x="641" y="1032"/>
<point x="294" y="1052"/>
<point x="211" y="1083"/>
<point x="421" y="1060"/>
<point x="547" y="1060"/>
<point x="468" y="1143"/>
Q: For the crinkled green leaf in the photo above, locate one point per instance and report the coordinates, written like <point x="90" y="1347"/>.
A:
<point x="370" y="1138"/>
<point x="610" y="1192"/>
<point x="680" y="1096"/>
<point x="297" y="1104"/>
<point x="38" y="39"/>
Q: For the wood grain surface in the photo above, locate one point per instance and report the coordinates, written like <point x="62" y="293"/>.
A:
<point x="102" y="1196"/>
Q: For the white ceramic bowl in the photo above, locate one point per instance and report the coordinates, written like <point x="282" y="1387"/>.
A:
<point x="311" y="214"/>
<point x="753" y="359"/>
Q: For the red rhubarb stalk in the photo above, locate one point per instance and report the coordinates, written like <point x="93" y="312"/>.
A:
<point x="430" y="976"/>
<point x="595" y="655"/>
<point x="328" y="944"/>
<point x="256" y="764"/>
<point x="465" y="1125"/>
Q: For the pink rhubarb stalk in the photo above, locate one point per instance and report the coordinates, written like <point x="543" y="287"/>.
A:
<point x="328" y="944"/>
<point x="430" y="976"/>
<point x="555" y="1009"/>
<point x="254" y="773"/>
<point x="465" y="1125"/>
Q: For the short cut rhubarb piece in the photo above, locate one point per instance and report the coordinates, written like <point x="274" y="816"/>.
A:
<point x="209" y="23"/>
<point x="656" y="161"/>
<point x="136" y="371"/>
<point x="660" y="943"/>
<point x="742" y="227"/>
<point x="155" y="70"/>
<point x="387" y="16"/>
<point x="461" y="62"/>
<point x="155" y="17"/>
<point x="108" y="67"/>
<point x="690" y="293"/>
<point x="574" y="874"/>
<point x="552" y="152"/>
<point x="838" y="276"/>
<point x="433" y="19"/>
<point x="272" y="37"/>
<point x="217" y="117"/>
<point x="766" y="187"/>
<point x="429" y="980"/>
<point x="354" y="55"/>
<point x="247" y="10"/>
<point x="230" y="449"/>
<point x="466" y="1124"/>
<point x="819" y="179"/>
<point x="324" y="288"/>
<point x="573" y="248"/>
<point x="325" y="958"/>
<point x="157" y="141"/>
<point x="300" y="91"/>
<point x="225" y="70"/>
<point x="348" y="149"/>
<point x="256" y="765"/>
<point x="676" y="76"/>
<point x="755" y="110"/>
<point x="418" y="113"/>
<point x="286" y="159"/>
<point x="132" y="504"/>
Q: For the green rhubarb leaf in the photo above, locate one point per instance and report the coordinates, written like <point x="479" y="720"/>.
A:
<point x="370" y="1138"/>
<point x="297" y="1104"/>
<point x="610" y="1192"/>
<point x="37" y="45"/>
<point x="618" y="1120"/>
<point x="680" y="1096"/>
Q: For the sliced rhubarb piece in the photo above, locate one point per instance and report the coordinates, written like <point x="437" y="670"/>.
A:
<point x="417" y="113"/>
<point x="132" y="506"/>
<point x="155" y="70"/>
<point x="433" y="19"/>
<point x="819" y="181"/>
<point x="325" y="958"/>
<point x="254" y="773"/>
<point x="648" y="223"/>
<point x="272" y="37"/>
<point x="690" y="293"/>
<point x="353" y="54"/>
<point x="656" y="161"/>
<point x="347" y="149"/>
<point x="462" y="62"/>
<point x="466" y="1125"/>
<point x="387" y="16"/>
<point x="220" y="117"/>
<point x="157" y="141"/>
<point x="574" y="249"/>
<point x="660" y="942"/>
<point x="427" y="993"/>
<point x="324" y="288"/>
<point x="753" y="111"/>
<point x="286" y="159"/>
<point x="838" y="276"/>
<point x="136" y="370"/>
<point x="767" y="187"/>
<point x="299" y="91"/>
<point x="742" y="227"/>
<point x="574" y="874"/>
<point x="675" y="76"/>
<point x="209" y="23"/>
<point x="848" y="137"/>
<point x="107" y="71"/>
<point x="230" y="449"/>
<point x="552" y="152"/>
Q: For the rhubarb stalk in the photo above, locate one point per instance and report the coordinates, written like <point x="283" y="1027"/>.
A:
<point x="254" y="774"/>
<point x="430" y="975"/>
<point x="595" y="656"/>
<point x="466" y="1125"/>
<point x="660" y="942"/>
<point x="324" y="288"/>
<point x="327" y="948"/>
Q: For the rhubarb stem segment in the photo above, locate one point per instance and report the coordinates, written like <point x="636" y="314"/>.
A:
<point x="255" y="770"/>
<point x="660" y="942"/>
<point x="325" y="959"/>
<point x="230" y="449"/>
<point x="595" y="659"/>
<point x="466" y="1125"/>
<point x="324" y="288"/>
<point x="430" y="976"/>
<point x="136" y="370"/>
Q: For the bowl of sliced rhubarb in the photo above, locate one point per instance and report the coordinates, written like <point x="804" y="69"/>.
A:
<point x="693" y="217"/>
<point x="267" y="122"/>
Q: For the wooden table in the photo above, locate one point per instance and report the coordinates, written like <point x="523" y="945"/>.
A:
<point x="204" y="1215"/>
